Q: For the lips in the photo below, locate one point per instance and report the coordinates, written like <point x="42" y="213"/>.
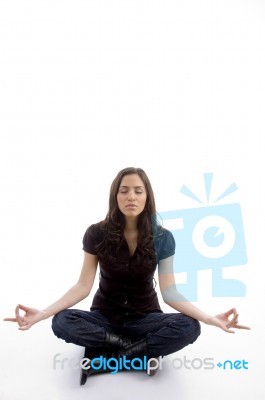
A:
<point x="130" y="206"/>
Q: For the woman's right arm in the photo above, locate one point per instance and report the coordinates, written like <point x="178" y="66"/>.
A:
<point x="73" y="296"/>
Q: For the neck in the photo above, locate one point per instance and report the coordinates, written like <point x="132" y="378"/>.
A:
<point x="130" y="225"/>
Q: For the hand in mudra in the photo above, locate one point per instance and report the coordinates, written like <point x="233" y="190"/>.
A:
<point x="31" y="316"/>
<point x="222" y="321"/>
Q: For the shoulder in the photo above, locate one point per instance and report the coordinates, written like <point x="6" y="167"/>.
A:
<point x="93" y="236"/>
<point x="95" y="229"/>
<point x="162" y="233"/>
<point x="164" y="243"/>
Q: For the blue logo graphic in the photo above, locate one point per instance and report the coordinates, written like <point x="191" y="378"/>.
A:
<point x="208" y="237"/>
<point x="237" y="364"/>
<point x="114" y="364"/>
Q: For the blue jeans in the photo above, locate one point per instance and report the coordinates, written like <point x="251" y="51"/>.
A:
<point x="165" y="333"/>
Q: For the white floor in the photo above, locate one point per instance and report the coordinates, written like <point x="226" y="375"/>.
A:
<point x="28" y="371"/>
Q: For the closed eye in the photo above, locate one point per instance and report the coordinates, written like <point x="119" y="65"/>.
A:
<point x="125" y="189"/>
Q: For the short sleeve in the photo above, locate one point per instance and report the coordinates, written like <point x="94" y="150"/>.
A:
<point x="165" y="245"/>
<point x="90" y="240"/>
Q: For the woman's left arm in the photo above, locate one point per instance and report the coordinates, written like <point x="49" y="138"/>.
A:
<point x="176" y="300"/>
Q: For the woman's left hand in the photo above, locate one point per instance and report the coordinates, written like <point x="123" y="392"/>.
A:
<point x="222" y="321"/>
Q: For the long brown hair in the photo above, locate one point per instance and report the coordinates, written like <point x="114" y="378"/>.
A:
<point x="114" y="223"/>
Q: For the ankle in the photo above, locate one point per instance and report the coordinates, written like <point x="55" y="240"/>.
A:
<point x="136" y="349"/>
<point x="116" y="342"/>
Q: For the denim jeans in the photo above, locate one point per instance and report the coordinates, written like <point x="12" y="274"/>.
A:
<point x="165" y="333"/>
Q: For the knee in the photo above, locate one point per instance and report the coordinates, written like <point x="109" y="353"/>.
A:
<point x="59" y="321"/>
<point x="188" y="327"/>
<point x="194" y="329"/>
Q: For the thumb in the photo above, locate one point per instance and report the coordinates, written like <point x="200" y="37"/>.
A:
<point x="228" y="330"/>
<point x="25" y="327"/>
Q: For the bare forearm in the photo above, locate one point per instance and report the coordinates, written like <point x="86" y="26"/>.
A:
<point x="190" y="310"/>
<point x="69" y="299"/>
<point x="177" y="301"/>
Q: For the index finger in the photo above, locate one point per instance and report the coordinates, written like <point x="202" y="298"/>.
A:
<point x="19" y="318"/>
<point x="231" y="311"/>
<point x="233" y="321"/>
<point x="17" y="310"/>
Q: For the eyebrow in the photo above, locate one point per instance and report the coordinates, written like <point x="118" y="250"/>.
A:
<point x="135" y="187"/>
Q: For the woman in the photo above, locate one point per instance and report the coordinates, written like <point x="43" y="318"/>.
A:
<point x="125" y="316"/>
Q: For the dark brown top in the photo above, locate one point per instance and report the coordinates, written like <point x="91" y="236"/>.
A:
<point x="126" y="285"/>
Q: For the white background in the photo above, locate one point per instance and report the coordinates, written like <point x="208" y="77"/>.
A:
<point x="86" y="89"/>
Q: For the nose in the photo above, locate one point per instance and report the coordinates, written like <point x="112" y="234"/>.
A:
<point x="131" y="195"/>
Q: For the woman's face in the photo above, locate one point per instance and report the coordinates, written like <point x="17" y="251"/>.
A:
<point x="131" y="196"/>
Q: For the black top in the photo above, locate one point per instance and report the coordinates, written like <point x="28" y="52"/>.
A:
<point x="126" y="284"/>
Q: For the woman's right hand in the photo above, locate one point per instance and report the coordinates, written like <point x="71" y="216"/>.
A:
<point x="31" y="317"/>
